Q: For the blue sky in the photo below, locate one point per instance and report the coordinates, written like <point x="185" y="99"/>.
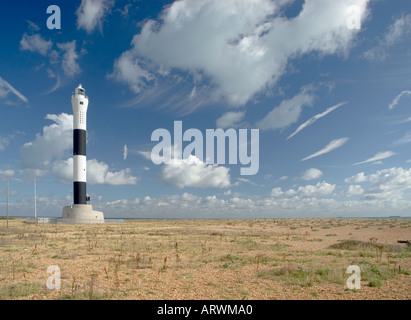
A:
<point x="331" y="102"/>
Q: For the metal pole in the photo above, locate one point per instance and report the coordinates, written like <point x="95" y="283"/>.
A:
<point x="35" y="201"/>
<point x="7" y="203"/>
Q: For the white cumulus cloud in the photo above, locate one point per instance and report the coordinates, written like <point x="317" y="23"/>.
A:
<point x="97" y="173"/>
<point x="318" y="190"/>
<point x="388" y="184"/>
<point x="91" y="13"/>
<point x="385" y="185"/>
<point x="277" y="192"/>
<point x="46" y="155"/>
<point x="242" y="47"/>
<point x="321" y="189"/>
<point x="311" y="174"/>
<point x="127" y="69"/>
<point x="353" y="190"/>
<point x="230" y="119"/>
<point x="358" y="178"/>
<point x="192" y="172"/>
<point x="52" y="144"/>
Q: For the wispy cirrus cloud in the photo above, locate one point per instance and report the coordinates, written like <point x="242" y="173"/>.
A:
<point x="315" y="118"/>
<point x="125" y="152"/>
<point x="6" y="88"/>
<point x="5" y="140"/>
<point x="397" y="98"/>
<point x="334" y="144"/>
<point x="35" y="43"/>
<point x="397" y="32"/>
<point x="405" y="139"/>
<point x="287" y="112"/>
<point x="377" y="157"/>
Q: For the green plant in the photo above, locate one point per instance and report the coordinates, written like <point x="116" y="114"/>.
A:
<point x="20" y="290"/>
<point x="375" y="283"/>
<point x="164" y="267"/>
<point x="323" y="272"/>
<point x="404" y="272"/>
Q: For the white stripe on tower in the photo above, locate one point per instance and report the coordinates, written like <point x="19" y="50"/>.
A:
<point x="79" y="170"/>
<point x="79" y="102"/>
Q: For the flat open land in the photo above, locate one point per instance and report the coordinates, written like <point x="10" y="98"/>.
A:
<point x="207" y="259"/>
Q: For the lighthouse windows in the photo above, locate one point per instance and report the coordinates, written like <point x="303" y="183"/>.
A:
<point x="81" y="117"/>
<point x="81" y="102"/>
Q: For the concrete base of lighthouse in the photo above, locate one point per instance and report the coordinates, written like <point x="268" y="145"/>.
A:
<point x="81" y="213"/>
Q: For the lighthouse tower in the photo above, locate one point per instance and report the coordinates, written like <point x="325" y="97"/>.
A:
<point x="80" y="211"/>
<point x="79" y="102"/>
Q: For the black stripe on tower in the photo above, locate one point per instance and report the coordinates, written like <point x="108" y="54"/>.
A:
<point x="79" y="191"/>
<point x="79" y="142"/>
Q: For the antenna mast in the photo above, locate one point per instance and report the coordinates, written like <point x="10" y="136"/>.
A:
<point x="35" y="200"/>
<point x="7" y="203"/>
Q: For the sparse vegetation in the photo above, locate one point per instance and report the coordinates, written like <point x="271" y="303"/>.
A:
<point x="21" y="290"/>
<point x="375" y="283"/>
<point x="360" y="245"/>
<point x="201" y="259"/>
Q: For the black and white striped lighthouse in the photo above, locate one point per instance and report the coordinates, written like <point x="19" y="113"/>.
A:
<point x="79" y="102"/>
<point x="80" y="211"/>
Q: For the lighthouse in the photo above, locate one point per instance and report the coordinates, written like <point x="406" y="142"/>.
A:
<point x="80" y="211"/>
<point x="79" y="102"/>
